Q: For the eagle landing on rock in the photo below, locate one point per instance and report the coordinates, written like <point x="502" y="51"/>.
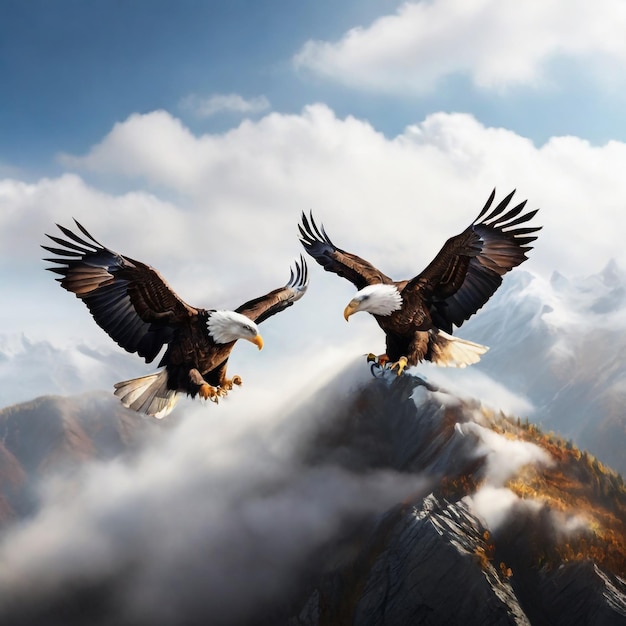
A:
<point x="418" y="314"/>
<point x="140" y="312"/>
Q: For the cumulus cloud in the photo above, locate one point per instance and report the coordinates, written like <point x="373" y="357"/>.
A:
<point x="30" y="209"/>
<point x="440" y="170"/>
<point x="496" y="43"/>
<point x="219" y="103"/>
<point x="202" y="203"/>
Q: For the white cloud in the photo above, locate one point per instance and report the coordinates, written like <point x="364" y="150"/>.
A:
<point x="436" y="173"/>
<point x="494" y="504"/>
<point x="504" y="457"/>
<point x="473" y="383"/>
<point x="218" y="103"/>
<point x="497" y="43"/>
<point x="217" y="213"/>
<point x="30" y="209"/>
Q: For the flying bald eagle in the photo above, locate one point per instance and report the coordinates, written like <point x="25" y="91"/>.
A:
<point x="139" y="311"/>
<point x="418" y="314"/>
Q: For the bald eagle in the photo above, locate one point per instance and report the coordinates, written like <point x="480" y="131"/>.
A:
<point x="138" y="310"/>
<point x="418" y="314"/>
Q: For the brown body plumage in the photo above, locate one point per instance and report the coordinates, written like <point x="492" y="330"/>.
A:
<point x="418" y="315"/>
<point x="140" y="312"/>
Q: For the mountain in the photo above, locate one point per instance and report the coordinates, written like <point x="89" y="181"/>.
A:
<point x="561" y="344"/>
<point x="520" y="527"/>
<point x="373" y="501"/>
<point x="54" y="434"/>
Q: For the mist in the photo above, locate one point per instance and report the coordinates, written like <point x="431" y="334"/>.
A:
<point x="219" y="518"/>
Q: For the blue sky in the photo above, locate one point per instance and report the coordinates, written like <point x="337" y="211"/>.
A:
<point x="71" y="69"/>
<point x="191" y="135"/>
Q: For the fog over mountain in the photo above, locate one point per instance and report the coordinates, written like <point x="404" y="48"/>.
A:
<point x="220" y="517"/>
<point x="321" y="492"/>
<point x="368" y="501"/>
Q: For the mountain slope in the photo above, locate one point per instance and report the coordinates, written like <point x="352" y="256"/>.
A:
<point x="561" y="344"/>
<point x="377" y="500"/>
<point x="53" y="434"/>
<point x="508" y="535"/>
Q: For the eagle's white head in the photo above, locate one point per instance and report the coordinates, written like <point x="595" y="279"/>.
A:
<point x="227" y="326"/>
<point x="375" y="299"/>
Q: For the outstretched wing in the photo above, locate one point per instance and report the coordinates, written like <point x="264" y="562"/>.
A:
<point x="128" y="299"/>
<point x="275" y="301"/>
<point x="469" y="268"/>
<point x="317" y="243"/>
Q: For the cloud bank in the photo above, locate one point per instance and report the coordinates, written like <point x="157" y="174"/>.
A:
<point x="216" y="214"/>
<point x="495" y="43"/>
<point x="349" y="174"/>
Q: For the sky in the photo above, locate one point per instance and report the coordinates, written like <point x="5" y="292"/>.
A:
<point x="192" y="135"/>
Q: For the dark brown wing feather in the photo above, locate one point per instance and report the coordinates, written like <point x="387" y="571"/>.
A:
<point x="128" y="299"/>
<point x="469" y="268"/>
<point x="275" y="301"/>
<point x="317" y="243"/>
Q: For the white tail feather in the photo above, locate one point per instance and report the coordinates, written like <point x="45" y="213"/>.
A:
<point x="147" y="394"/>
<point x="449" y="351"/>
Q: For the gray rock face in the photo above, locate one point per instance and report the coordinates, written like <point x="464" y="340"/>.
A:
<point x="428" y="566"/>
<point x="433" y="561"/>
<point x="432" y="553"/>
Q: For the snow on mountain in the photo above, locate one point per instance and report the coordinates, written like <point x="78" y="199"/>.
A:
<point x="29" y="369"/>
<point x="559" y="345"/>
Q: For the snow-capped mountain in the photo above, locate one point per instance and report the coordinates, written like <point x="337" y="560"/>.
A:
<point x="562" y="344"/>
<point x="29" y="369"/>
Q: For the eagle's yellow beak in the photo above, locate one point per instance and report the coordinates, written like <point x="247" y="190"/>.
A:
<point x="257" y="340"/>
<point x="352" y="307"/>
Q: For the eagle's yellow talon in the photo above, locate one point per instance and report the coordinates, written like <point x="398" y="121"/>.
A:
<point x="400" y="364"/>
<point x="208" y="392"/>
<point x="381" y="359"/>
<point x="235" y="380"/>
